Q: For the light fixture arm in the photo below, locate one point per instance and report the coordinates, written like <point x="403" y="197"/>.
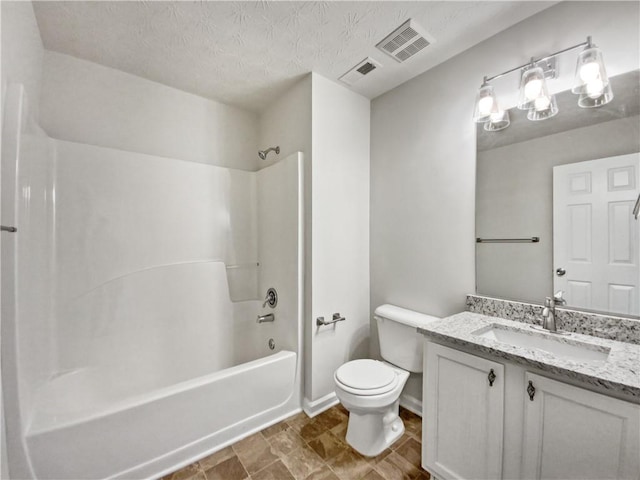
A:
<point x="533" y="60"/>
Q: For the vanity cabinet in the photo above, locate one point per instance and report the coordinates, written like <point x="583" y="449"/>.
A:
<point x="472" y="430"/>
<point x="570" y="432"/>
<point x="464" y="414"/>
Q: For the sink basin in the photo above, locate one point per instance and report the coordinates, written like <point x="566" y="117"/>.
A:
<point x="564" y="347"/>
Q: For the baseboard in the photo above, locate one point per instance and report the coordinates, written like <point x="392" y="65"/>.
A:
<point x="411" y="403"/>
<point x="316" y="407"/>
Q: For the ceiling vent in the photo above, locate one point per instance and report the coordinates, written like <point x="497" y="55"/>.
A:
<point x="363" y="68"/>
<point x="405" y="41"/>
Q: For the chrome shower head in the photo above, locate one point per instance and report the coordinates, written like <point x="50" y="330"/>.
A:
<point x="263" y="153"/>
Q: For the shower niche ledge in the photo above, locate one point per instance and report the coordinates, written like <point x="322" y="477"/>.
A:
<point x="243" y="281"/>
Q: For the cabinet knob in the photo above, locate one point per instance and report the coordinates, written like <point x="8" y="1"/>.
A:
<point x="491" y="377"/>
<point x="531" y="390"/>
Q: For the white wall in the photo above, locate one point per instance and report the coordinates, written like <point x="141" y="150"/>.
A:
<point x="330" y="124"/>
<point x="287" y="123"/>
<point x="340" y="232"/>
<point x="278" y="191"/>
<point x="130" y="229"/>
<point x="423" y="155"/>
<point x="88" y="103"/>
<point x="22" y="50"/>
<point x="21" y="53"/>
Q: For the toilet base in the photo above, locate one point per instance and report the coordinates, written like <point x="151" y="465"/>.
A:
<point x="371" y="433"/>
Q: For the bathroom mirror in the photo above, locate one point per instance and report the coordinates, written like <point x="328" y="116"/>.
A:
<point x="515" y="200"/>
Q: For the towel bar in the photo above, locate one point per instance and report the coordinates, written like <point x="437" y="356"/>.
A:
<point x="508" y="240"/>
<point x="320" y="321"/>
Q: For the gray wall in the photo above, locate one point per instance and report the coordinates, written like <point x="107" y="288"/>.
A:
<point x="423" y="156"/>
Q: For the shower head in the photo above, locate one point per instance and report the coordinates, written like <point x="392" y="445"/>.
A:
<point x="263" y="153"/>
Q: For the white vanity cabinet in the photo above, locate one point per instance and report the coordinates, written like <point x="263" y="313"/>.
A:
<point x="463" y="413"/>
<point x="570" y="432"/>
<point x="472" y="430"/>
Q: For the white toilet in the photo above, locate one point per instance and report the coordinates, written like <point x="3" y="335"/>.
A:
<point x="370" y="389"/>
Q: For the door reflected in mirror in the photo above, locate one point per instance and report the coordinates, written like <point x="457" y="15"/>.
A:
<point x="595" y="234"/>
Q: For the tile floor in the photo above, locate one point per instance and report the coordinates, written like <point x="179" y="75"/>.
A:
<point x="303" y="448"/>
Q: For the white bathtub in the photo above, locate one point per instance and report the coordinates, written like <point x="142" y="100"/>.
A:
<point x="152" y="368"/>
<point x="150" y="434"/>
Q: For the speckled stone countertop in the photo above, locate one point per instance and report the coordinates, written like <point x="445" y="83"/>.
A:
<point x="619" y="373"/>
<point x="599" y="325"/>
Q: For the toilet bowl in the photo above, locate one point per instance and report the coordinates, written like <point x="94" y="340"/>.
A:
<point x="370" y="389"/>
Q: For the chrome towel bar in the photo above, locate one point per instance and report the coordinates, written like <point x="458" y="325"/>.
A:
<point x="508" y="240"/>
<point x="320" y="321"/>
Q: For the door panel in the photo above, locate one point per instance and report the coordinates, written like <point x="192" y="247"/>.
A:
<point x="463" y="415"/>
<point x="572" y="433"/>
<point x="596" y="238"/>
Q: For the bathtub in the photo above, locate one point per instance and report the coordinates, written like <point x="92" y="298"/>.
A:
<point x="73" y="435"/>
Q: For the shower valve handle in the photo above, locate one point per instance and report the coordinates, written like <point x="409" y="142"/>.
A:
<point x="271" y="299"/>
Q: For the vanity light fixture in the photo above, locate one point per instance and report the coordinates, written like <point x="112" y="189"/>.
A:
<point x="498" y="121"/>
<point x="591" y="80"/>
<point x="591" y="84"/>
<point x="486" y="103"/>
<point x="534" y="94"/>
<point x="488" y="111"/>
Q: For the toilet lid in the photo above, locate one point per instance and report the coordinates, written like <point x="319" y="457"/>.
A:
<point x="365" y="374"/>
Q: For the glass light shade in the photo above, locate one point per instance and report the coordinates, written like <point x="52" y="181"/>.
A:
<point x="596" y="97"/>
<point x="596" y="92"/>
<point x="591" y="76"/>
<point x="486" y="104"/>
<point x="543" y="108"/>
<point x="498" y="121"/>
<point x="533" y="87"/>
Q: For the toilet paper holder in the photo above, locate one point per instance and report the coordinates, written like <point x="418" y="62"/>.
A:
<point x="320" y="321"/>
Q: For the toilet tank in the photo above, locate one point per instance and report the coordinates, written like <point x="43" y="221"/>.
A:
<point x="400" y="342"/>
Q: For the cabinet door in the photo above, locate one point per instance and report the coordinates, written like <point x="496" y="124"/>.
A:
<point x="463" y="426"/>
<point x="573" y="433"/>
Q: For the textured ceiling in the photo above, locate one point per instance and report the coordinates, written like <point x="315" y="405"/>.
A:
<point x="248" y="53"/>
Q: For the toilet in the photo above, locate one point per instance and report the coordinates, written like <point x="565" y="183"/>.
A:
<point x="370" y="389"/>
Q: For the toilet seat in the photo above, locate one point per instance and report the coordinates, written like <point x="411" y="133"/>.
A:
<point x="366" y="377"/>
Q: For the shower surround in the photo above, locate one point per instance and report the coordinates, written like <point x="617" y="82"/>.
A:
<point x="130" y="330"/>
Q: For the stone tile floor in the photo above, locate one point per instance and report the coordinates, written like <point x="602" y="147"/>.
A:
<point x="303" y="448"/>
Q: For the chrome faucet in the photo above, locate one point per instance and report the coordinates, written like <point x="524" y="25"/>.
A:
<point x="269" y="317"/>
<point x="549" y="311"/>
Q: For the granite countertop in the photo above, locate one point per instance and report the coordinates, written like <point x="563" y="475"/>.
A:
<point x="619" y="373"/>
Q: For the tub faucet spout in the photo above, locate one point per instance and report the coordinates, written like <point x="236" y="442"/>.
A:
<point x="269" y="317"/>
